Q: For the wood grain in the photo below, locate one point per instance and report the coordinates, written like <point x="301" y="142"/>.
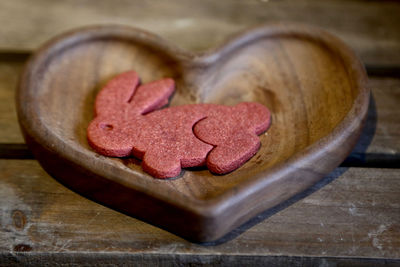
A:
<point x="369" y="27"/>
<point x="353" y="215"/>
<point x="288" y="68"/>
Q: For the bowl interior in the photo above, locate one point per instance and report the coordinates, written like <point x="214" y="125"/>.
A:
<point x="303" y="82"/>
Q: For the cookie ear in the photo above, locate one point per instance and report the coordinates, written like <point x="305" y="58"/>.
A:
<point x="117" y="92"/>
<point x="152" y="96"/>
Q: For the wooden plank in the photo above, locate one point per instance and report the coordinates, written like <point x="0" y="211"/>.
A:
<point x="9" y="72"/>
<point x="370" y="27"/>
<point x="353" y="213"/>
<point x="130" y="259"/>
<point x="379" y="144"/>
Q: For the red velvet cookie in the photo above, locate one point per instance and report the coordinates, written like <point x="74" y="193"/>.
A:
<point x="127" y="123"/>
<point x="233" y="133"/>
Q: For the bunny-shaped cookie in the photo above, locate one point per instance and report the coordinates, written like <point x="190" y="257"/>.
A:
<point x="128" y="121"/>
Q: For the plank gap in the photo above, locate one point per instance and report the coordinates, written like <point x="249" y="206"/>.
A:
<point x="367" y="160"/>
<point x="12" y="56"/>
<point x="392" y="71"/>
<point x="372" y="160"/>
<point x="15" y="151"/>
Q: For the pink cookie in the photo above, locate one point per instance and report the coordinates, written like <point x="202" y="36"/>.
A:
<point x="127" y="123"/>
<point x="233" y="134"/>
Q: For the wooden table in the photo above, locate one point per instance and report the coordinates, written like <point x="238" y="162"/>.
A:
<point x="351" y="217"/>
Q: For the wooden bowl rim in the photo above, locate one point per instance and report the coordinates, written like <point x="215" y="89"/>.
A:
<point x="33" y="126"/>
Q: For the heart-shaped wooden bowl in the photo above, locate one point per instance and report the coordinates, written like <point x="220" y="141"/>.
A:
<point x="314" y="86"/>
